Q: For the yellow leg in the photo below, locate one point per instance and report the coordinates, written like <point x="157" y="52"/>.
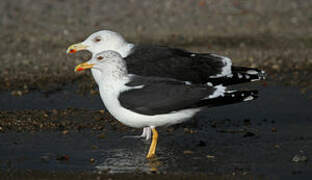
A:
<point x="152" y="149"/>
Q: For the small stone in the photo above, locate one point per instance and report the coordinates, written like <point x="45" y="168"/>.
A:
<point x="65" y="132"/>
<point x="300" y="158"/>
<point x="187" y="152"/>
<point x="102" y="111"/>
<point x="19" y="93"/>
<point x="210" y="157"/>
<point x="276" y="67"/>
<point x="189" y="131"/>
<point x="93" y="92"/>
<point x="92" y="160"/>
<point x="277" y="146"/>
<point x="274" y="130"/>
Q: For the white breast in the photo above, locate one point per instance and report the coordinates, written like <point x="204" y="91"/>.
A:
<point x="96" y="75"/>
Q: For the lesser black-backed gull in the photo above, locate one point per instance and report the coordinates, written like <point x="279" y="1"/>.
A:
<point x="150" y="102"/>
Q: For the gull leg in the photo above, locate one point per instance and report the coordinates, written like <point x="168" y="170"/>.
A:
<point x="143" y="135"/>
<point x="148" y="133"/>
<point x="152" y="149"/>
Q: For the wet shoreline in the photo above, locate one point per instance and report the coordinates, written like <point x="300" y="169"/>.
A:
<point x="254" y="139"/>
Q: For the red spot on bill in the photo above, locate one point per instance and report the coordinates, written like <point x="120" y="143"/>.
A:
<point x="80" y="69"/>
<point x="72" y="50"/>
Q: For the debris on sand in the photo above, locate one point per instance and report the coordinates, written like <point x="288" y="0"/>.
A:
<point x="65" y="132"/>
<point x="299" y="158"/>
<point x="92" y="160"/>
<point x="188" y="152"/>
<point x="210" y="156"/>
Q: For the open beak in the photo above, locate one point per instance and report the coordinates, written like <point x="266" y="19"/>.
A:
<point x="83" y="66"/>
<point x="76" y="47"/>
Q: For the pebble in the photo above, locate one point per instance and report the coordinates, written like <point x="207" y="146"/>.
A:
<point x="210" y="157"/>
<point x="299" y="158"/>
<point x="102" y="111"/>
<point x="187" y="152"/>
<point x="189" y="131"/>
<point x="17" y="93"/>
<point x="92" y="160"/>
<point x="65" y="132"/>
<point x="277" y="146"/>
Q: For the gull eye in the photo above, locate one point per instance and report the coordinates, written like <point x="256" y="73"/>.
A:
<point x="99" y="58"/>
<point x="97" y="39"/>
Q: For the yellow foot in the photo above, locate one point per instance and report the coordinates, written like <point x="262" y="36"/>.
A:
<point x="152" y="149"/>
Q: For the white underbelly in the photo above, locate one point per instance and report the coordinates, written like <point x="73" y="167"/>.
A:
<point x="136" y="120"/>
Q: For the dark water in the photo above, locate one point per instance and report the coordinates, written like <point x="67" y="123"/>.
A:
<point x="258" y="138"/>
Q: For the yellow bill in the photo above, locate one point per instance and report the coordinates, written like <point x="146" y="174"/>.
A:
<point x="76" y="47"/>
<point x="83" y="66"/>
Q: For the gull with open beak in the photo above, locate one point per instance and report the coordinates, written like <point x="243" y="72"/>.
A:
<point x="150" y="102"/>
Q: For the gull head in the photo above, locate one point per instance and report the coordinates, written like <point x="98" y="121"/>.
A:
<point x="105" y="62"/>
<point x="102" y="41"/>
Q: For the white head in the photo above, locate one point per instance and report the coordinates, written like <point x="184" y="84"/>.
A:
<point x="109" y="64"/>
<point x="102" y="41"/>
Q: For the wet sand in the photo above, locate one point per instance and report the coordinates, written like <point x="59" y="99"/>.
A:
<point x="256" y="139"/>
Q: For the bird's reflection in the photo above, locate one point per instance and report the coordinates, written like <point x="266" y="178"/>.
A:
<point x="125" y="161"/>
<point x="154" y="165"/>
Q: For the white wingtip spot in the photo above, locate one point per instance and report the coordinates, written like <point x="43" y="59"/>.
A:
<point x="252" y="72"/>
<point x="187" y="83"/>
<point x="227" y="68"/>
<point x="209" y="84"/>
<point x="249" y="98"/>
<point x="220" y="90"/>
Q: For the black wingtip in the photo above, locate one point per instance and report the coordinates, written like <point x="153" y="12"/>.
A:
<point x="240" y="75"/>
<point x="230" y="97"/>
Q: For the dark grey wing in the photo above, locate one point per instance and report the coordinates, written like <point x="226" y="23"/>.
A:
<point x="159" y="96"/>
<point x="175" y="63"/>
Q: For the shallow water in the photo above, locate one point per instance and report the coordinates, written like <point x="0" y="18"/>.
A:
<point x="257" y="138"/>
